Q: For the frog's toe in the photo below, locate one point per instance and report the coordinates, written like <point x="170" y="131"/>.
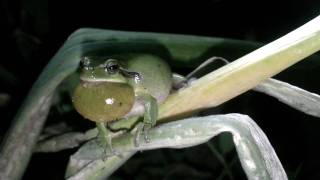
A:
<point x="104" y="148"/>
<point x="106" y="145"/>
<point x="145" y="130"/>
<point x="142" y="129"/>
<point x="137" y="134"/>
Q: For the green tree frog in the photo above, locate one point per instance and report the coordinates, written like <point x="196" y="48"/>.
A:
<point x="121" y="87"/>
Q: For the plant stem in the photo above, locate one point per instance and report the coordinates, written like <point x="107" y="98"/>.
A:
<point x="245" y="73"/>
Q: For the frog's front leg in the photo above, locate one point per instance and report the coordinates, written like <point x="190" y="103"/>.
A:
<point x="105" y="137"/>
<point x="149" y="118"/>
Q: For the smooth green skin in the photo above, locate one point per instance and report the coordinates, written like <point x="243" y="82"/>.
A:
<point x="156" y="81"/>
<point x="104" y="97"/>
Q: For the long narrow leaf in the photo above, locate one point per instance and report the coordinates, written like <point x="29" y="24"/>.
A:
<point x="256" y="154"/>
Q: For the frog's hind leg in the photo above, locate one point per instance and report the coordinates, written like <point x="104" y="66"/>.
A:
<point x="150" y="117"/>
<point x="205" y="64"/>
<point x="180" y="81"/>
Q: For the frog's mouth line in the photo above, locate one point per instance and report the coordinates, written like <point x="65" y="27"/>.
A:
<point x="124" y="74"/>
<point x="100" y="80"/>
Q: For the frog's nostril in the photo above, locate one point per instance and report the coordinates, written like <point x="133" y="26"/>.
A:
<point x="85" y="62"/>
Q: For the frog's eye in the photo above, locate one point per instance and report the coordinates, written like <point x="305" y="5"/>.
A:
<point x="85" y="63"/>
<point x="112" y="66"/>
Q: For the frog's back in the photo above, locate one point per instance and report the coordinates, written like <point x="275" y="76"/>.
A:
<point x="156" y="78"/>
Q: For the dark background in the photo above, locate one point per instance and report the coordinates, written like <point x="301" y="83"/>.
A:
<point x="32" y="31"/>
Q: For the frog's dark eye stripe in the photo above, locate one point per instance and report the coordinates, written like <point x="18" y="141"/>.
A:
<point x="130" y="74"/>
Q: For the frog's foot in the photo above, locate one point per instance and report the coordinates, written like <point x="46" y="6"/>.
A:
<point x="105" y="140"/>
<point x="142" y="129"/>
<point x="104" y="146"/>
<point x="106" y="143"/>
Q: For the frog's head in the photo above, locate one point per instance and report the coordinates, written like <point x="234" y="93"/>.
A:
<point x="109" y="71"/>
<point x="104" y="93"/>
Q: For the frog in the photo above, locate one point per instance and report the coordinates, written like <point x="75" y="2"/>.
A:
<point x="120" y="87"/>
